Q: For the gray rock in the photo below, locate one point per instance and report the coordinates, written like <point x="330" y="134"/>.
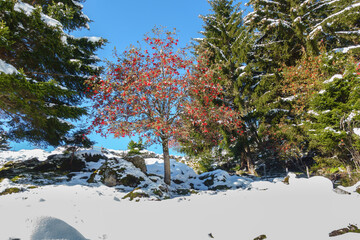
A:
<point x="109" y="177"/>
<point x="138" y="162"/>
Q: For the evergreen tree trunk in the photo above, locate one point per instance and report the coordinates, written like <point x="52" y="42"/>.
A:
<point x="249" y="162"/>
<point x="167" y="172"/>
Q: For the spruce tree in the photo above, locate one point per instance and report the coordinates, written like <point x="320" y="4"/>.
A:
<point x="226" y="42"/>
<point x="285" y="31"/>
<point x="276" y="42"/>
<point x="334" y="111"/>
<point x="43" y="67"/>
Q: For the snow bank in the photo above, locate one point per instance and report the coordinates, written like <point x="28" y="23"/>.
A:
<point x="302" y="209"/>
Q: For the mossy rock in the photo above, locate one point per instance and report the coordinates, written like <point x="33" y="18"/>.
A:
<point x="134" y="194"/>
<point x="219" y="187"/>
<point x="158" y="192"/>
<point x="286" y="180"/>
<point x="182" y="191"/>
<point x="10" y="191"/>
<point x="8" y="164"/>
<point x="358" y="190"/>
<point x="32" y="187"/>
<point x="351" y="228"/>
<point x="261" y="237"/>
<point x="92" y="177"/>
<point x="130" y="181"/>
<point x="17" y="178"/>
<point x="6" y="169"/>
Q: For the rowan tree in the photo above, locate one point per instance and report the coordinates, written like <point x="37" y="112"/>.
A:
<point x="153" y="92"/>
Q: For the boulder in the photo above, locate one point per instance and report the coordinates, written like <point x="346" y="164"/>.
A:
<point x="117" y="172"/>
<point x="53" y="169"/>
<point x="138" y="162"/>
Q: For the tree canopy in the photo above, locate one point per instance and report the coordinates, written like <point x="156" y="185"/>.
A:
<point x="153" y="91"/>
<point x="43" y="68"/>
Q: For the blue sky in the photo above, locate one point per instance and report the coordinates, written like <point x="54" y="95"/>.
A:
<point x="124" y="22"/>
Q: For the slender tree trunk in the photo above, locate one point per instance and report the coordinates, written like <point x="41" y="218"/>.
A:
<point x="247" y="156"/>
<point x="249" y="162"/>
<point x="167" y="172"/>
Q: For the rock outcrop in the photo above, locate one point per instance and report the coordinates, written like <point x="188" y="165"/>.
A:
<point x="138" y="162"/>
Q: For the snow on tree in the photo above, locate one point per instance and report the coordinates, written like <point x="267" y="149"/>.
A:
<point x="43" y="68"/>
<point x="153" y="92"/>
<point x="323" y="97"/>
<point x="334" y="111"/>
<point x="226" y="43"/>
<point x="338" y="25"/>
<point x="285" y="31"/>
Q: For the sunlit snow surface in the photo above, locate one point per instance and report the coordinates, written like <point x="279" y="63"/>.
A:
<point x="305" y="209"/>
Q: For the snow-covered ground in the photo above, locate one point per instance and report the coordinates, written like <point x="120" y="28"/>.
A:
<point x="304" y="209"/>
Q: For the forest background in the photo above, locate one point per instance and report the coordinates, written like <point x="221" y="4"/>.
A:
<point x="289" y="68"/>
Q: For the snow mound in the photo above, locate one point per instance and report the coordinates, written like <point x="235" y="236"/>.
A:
<point x="314" y="185"/>
<point x="54" y="228"/>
